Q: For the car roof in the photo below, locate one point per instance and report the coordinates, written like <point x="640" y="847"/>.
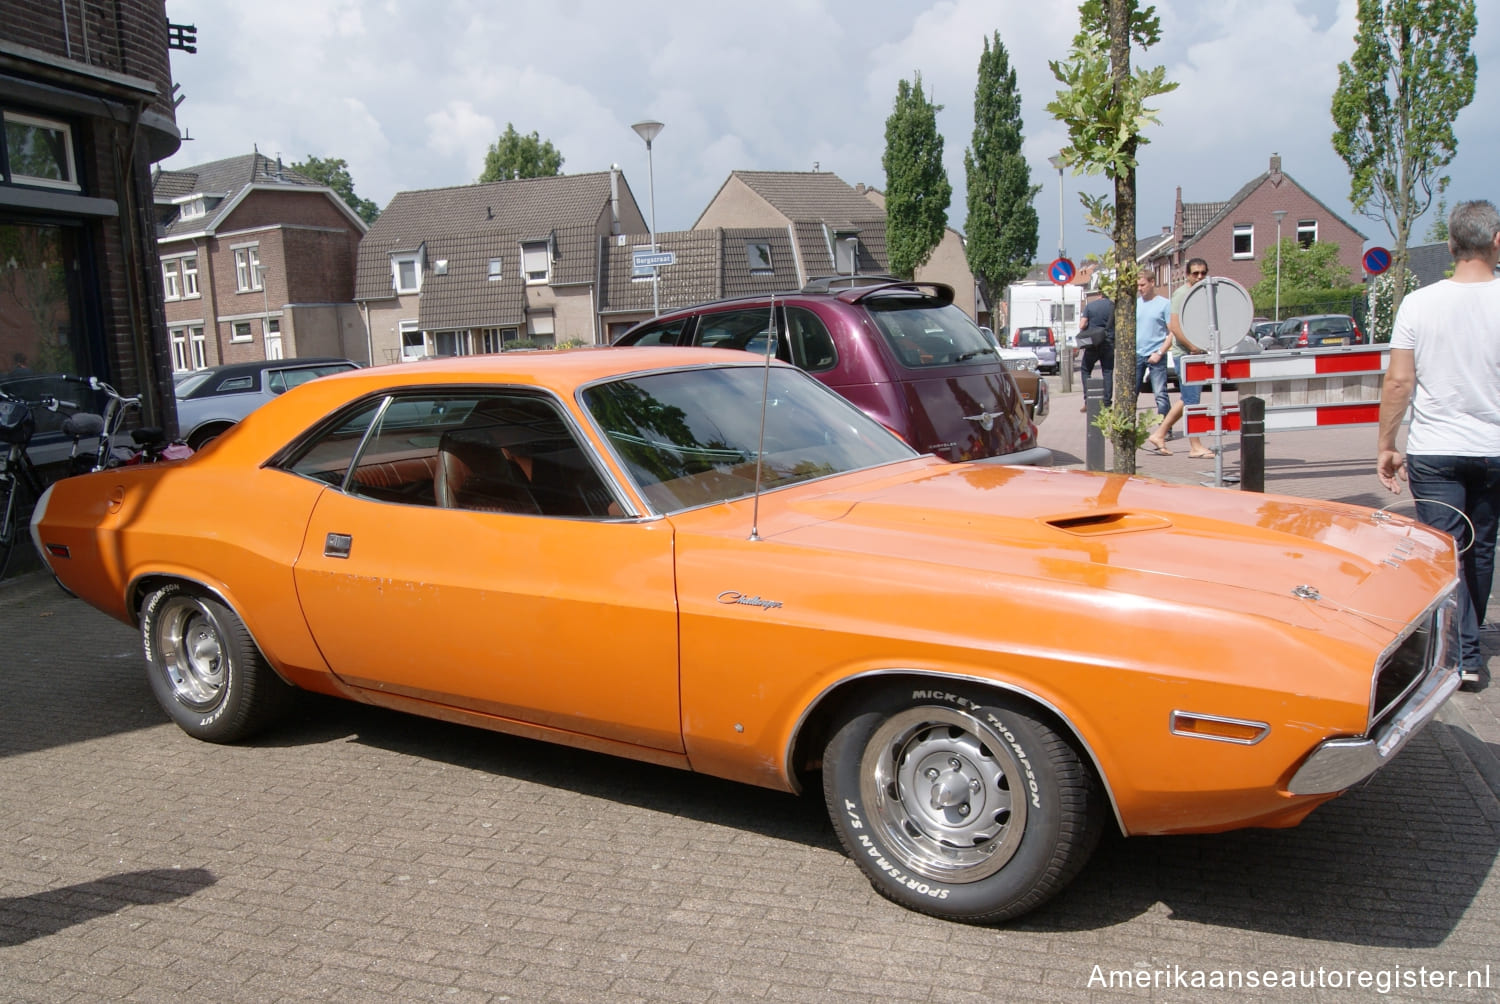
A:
<point x="859" y="287"/>
<point x="261" y="365"/>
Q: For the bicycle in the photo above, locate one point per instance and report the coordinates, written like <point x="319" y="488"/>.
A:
<point x="22" y="484"/>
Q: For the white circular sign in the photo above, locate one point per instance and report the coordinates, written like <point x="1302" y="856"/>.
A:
<point x="1217" y="302"/>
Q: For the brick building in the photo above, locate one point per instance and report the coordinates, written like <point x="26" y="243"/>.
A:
<point x="1235" y="236"/>
<point x="257" y="262"/>
<point x="86" y="99"/>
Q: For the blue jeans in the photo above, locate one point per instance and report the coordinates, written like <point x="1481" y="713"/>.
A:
<point x="1471" y="485"/>
<point x="1158" y="373"/>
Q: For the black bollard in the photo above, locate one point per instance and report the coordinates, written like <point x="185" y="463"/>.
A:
<point x="1252" y="444"/>
<point x="1093" y="400"/>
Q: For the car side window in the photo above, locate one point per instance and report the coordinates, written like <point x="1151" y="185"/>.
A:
<point x="502" y="452"/>
<point x="234" y="385"/>
<point x="745" y="329"/>
<point x="327" y="457"/>
<point x="660" y="333"/>
<point x="812" y="346"/>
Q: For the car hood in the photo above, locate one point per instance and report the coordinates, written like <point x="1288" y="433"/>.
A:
<point x="1163" y="546"/>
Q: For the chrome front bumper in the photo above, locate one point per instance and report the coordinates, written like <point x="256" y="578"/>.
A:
<point x="1342" y="763"/>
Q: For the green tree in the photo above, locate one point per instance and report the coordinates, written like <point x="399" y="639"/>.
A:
<point x="515" y="156"/>
<point x="1380" y="319"/>
<point x="1412" y="72"/>
<point x="917" y="187"/>
<point x="1001" y="225"/>
<point x="1104" y="110"/>
<point x="1437" y="230"/>
<point x="334" y="172"/>
<point x="1316" y="266"/>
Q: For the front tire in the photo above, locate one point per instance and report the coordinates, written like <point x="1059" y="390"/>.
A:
<point x="959" y="802"/>
<point x="205" y="670"/>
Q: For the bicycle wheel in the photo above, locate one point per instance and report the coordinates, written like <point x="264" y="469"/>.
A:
<point x="15" y="516"/>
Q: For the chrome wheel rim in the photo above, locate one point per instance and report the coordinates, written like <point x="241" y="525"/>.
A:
<point x="191" y="651"/>
<point x="945" y="793"/>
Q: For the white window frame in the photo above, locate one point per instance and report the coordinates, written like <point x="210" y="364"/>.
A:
<point x="489" y="341"/>
<point x="1246" y="230"/>
<point x="529" y="252"/>
<point x="239" y="331"/>
<point x="496" y="270"/>
<point x="71" y="181"/>
<point x="190" y="277"/>
<point x="271" y="327"/>
<point x="848" y="244"/>
<point x="247" y="273"/>
<point x="170" y="283"/>
<point x="198" y="346"/>
<point x="181" y="361"/>
<point x="405" y="328"/>
<point x="415" y="261"/>
<point x="1307" y="227"/>
<point x="542" y="326"/>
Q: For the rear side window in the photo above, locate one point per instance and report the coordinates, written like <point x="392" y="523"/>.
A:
<point x="747" y="330"/>
<point x="923" y="334"/>
<point x="658" y="333"/>
<point x="812" y="346"/>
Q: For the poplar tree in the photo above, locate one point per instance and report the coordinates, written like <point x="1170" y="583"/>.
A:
<point x="917" y="187"/>
<point x="1001" y="226"/>
<point x="1104" y="110"/>
<point x="1412" y="72"/>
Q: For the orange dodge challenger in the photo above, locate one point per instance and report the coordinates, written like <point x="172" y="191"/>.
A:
<point x="723" y="566"/>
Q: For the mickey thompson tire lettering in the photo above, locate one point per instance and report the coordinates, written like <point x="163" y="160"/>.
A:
<point x="204" y="669"/>
<point x="959" y="802"/>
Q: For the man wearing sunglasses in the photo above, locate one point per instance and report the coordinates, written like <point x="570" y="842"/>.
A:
<point x="1179" y="345"/>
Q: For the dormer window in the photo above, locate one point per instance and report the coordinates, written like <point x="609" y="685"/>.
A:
<point x="194" y="208"/>
<point x="536" y="262"/>
<point x="406" y="272"/>
<point x="845" y="252"/>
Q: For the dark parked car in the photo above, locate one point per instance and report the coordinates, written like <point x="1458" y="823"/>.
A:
<point x="1313" y="331"/>
<point x="1041" y="341"/>
<point x="901" y="351"/>
<point x="210" y="401"/>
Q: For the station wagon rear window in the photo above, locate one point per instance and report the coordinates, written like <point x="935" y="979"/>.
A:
<point x="923" y="334"/>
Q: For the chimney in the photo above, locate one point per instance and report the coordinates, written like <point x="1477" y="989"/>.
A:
<point x="614" y="199"/>
<point x="859" y="188"/>
<point x="1276" y="164"/>
<point x="279" y="175"/>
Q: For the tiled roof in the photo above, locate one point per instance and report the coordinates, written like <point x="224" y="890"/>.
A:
<point x="225" y="178"/>
<point x="1429" y="262"/>
<point x="1195" y="215"/>
<point x="812" y="195"/>
<point x="711" y="265"/>
<point x="564" y="209"/>
<point x="813" y="241"/>
<point x="1210" y="214"/>
<point x="465" y="297"/>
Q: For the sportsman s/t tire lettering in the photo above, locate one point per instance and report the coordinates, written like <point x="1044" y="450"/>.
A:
<point x="960" y="802"/>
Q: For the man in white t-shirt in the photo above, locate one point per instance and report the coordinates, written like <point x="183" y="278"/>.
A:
<point x="1445" y="363"/>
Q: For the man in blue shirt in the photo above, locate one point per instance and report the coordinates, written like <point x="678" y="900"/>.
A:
<point x="1151" y="315"/>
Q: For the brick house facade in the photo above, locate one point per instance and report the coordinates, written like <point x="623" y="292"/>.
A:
<point x="257" y="263"/>
<point x="1235" y="236"/>
<point x="86" y="97"/>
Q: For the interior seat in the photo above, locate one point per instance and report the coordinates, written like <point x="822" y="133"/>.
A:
<point x="474" y="473"/>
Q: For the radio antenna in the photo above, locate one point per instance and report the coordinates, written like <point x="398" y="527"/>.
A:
<point x="760" y="447"/>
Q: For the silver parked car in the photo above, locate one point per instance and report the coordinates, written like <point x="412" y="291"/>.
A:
<point x="210" y="401"/>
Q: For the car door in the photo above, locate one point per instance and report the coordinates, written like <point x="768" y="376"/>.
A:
<point x="510" y="599"/>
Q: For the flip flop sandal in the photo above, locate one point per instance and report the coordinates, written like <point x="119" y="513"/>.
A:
<point x="1160" y="451"/>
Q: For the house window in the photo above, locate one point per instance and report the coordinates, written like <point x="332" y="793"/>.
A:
<point x="247" y="274"/>
<point x="190" y="277"/>
<point x="541" y="331"/>
<point x="169" y="280"/>
<point x="39" y="151"/>
<point x="240" y="331"/>
<point x="199" y="347"/>
<point x="489" y="340"/>
<point x="536" y="263"/>
<point x="406" y="274"/>
<point x="1244" y="240"/>
<point x="846" y="254"/>
<point x="758" y="255"/>
<point x="273" y="338"/>
<point x="494" y="272"/>
<point x="194" y="208"/>
<point x="181" y="361"/>
<point x="413" y="344"/>
<point x="450" y="343"/>
<point x="1307" y="232"/>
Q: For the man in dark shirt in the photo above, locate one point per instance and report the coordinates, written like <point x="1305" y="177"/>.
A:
<point x="1096" y="333"/>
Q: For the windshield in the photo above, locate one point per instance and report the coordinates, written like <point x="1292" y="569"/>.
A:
<point x="690" y="437"/>
<point x="924" y="334"/>
<point x="185" y="383"/>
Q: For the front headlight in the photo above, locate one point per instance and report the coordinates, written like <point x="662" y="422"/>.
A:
<point x="1028" y="363"/>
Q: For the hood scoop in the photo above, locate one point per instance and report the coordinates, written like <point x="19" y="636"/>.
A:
<point x="1099" y="524"/>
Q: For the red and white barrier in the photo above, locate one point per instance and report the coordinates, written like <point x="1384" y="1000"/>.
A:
<point x="1293" y="383"/>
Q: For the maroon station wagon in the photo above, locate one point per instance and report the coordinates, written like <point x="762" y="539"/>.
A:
<point x="900" y="351"/>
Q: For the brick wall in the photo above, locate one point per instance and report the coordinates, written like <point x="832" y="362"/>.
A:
<point x="1217" y="245"/>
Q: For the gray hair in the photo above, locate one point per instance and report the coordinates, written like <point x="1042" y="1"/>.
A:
<point x="1472" y="227"/>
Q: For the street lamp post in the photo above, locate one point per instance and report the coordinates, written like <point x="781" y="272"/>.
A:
<point x="265" y="309"/>
<point x="1280" y="215"/>
<point x="1057" y="162"/>
<point x="1065" y="370"/>
<point x="648" y="131"/>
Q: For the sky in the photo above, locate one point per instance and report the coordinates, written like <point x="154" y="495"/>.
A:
<point x="412" y="93"/>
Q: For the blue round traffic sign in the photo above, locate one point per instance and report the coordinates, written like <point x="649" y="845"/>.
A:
<point x="1061" y="271"/>
<point x="1377" y="260"/>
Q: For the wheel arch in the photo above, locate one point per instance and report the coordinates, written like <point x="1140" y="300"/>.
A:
<point x="208" y="430"/>
<point x="820" y="719"/>
<point x="147" y="583"/>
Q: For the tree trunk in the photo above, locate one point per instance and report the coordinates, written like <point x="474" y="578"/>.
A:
<point x="1125" y="386"/>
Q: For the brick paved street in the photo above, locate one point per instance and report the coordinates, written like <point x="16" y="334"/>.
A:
<point x="357" y="854"/>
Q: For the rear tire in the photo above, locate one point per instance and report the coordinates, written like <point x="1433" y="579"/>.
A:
<point x="205" y="670"/>
<point x="960" y="803"/>
<point x="16" y="505"/>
